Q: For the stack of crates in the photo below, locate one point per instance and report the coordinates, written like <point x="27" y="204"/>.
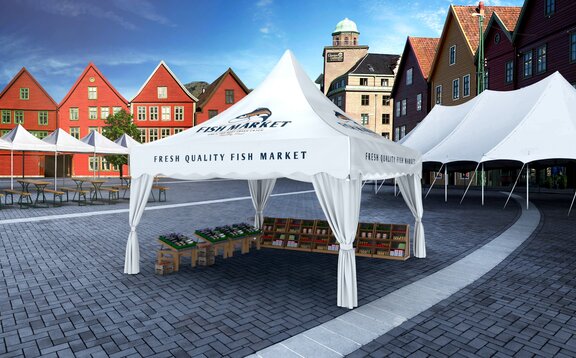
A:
<point x="206" y="256"/>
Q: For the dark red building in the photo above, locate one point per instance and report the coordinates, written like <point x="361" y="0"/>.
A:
<point x="220" y="95"/>
<point x="411" y="84"/>
<point x="24" y="101"/>
<point x="162" y="106"/>
<point x="499" y="51"/>
<point x="88" y="103"/>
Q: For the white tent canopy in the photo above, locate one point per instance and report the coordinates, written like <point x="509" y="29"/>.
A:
<point x="126" y="141"/>
<point x="284" y="128"/>
<point x="103" y="145"/>
<point x="64" y="142"/>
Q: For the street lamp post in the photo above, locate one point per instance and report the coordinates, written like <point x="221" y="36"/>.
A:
<point x="480" y="71"/>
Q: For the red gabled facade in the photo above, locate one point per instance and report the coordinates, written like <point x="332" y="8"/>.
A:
<point x="223" y="93"/>
<point x="554" y="30"/>
<point x="24" y="101"/>
<point x="90" y="100"/>
<point x="499" y="52"/>
<point x="162" y="106"/>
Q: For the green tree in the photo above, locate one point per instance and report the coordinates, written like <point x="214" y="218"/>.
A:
<point x="116" y="125"/>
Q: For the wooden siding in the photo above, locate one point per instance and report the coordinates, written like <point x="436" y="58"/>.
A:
<point x="444" y="73"/>
<point x="536" y="29"/>
<point x="218" y="100"/>
<point x="497" y="55"/>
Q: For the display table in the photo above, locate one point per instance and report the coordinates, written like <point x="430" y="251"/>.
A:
<point x="229" y="236"/>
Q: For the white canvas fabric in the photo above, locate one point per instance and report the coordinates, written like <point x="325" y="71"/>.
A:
<point x="19" y="139"/>
<point x="260" y="191"/>
<point x="4" y="144"/>
<point x="140" y="191"/>
<point x="284" y="128"/>
<point x="64" y="142"/>
<point x="126" y="141"/>
<point x="411" y="189"/>
<point x="103" y="145"/>
<point x="340" y="201"/>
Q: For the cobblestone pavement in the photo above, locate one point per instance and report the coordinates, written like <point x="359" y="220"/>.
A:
<point x="524" y="307"/>
<point x="63" y="293"/>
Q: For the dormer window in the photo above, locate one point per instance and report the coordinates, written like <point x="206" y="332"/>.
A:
<point x="409" y="73"/>
<point x="24" y="93"/>
<point x="162" y="92"/>
<point x="550" y="7"/>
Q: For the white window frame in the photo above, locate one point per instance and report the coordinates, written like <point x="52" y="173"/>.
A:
<point x="466" y="86"/>
<point x="92" y="112"/>
<point x="92" y="92"/>
<point x="178" y="130"/>
<point x="74" y="113"/>
<point x="153" y="113"/>
<point x="104" y="112"/>
<point x="456" y="89"/>
<point x="152" y="134"/>
<point x="166" y="113"/>
<point x="452" y="55"/>
<point x="179" y="113"/>
<point x="143" y="135"/>
<point x="75" y="132"/>
<point x="141" y="113"/>
<point x="116" y="110"/>
<point x="162" y="92"/>
<point x="164" y="132"/>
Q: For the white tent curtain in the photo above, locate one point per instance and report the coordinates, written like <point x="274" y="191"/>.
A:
<point x="260" y="191"/>
<point x="411" y="190"/>
<point x="340" y="201"/>
<point x="139" y="192"/>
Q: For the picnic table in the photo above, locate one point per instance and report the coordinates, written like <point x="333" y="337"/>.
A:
<point x="39" y="188"/>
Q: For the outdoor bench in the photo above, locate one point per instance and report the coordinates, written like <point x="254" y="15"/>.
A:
<point x="80" y="192"/>
<point x="161" y="191"/>
<point x="23" y="195"/>
<point x="56" y="194"/>
<point x="113" y="193"/>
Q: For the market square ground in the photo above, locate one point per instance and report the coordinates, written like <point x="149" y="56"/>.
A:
<point x="63" y="293"/>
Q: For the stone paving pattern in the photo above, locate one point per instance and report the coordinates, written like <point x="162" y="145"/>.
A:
<point x="63" y="293"/>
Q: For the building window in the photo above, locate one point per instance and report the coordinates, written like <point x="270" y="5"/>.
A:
<point x="164" y="132"/>
<point x="178" y="130"/>
<point x="153" y="113"/>
<point x="573" y="47"/>
<point x="439" y="94"/>
<point x="550" y="7"/>
<point x="396" y="134"/>
<point x="92" y="164"/>
<point x="364" y="119"/>
<point x="75" y="132"/>
<point x="409" y="74"/>
<point x="419" y="102"/>
<point x="363" y="81"/>
<point x="141" y="113"/>
<point x="397" y="109"/>
<point x="116" y="110"/>
<point x="24" y="93"/>
<point x="18" y="117"/>
<point x="74" y="114"/>
<point x="212" y="113"/>
<point x="153" y="134"/>
<point x="104" y="112"/>
<point x="527" y="58"/>
<point x="142" y="135"/>
<point x="404" y="107"/>
<point x="229" y="96"/>
<point x="43" y="118"/>
<point x="402" y="132"/>
<point x="165" y="113"/>
<point x="509" y="69"/>
<point x="456" y="88"/>
<point x="385" y="100"/>
<point x="6" y="117"/>
<point x="92" y="112"/>
<point x="92" y="129"/>
<point x="541" y="59"/>
<point x="385" y="118"/>
<point x="339" y="102"/>
<point x="162" y="92"/>
<point x="384" y="82"/>
<point x="365" y="100"/>
<point x="179" y="113"/>
<point x="105" y="165"/>
<point x="92" y="92"/>
<point x="386" y="135"/>
<point x="486" y="80"/>
<point x="466" y="86"/>
<point x="452" y="57"/>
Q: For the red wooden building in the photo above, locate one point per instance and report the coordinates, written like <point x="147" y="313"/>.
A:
<point x="162" y="106"/>
<point x="411" y="82"/>
<point x="90" y="100"/>
<point x="24" y="101"/>
<point x="220" y="95"/>
<point x="499" y="51"/>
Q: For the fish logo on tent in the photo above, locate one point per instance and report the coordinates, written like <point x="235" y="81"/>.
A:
<point x="350" y="123"/>
<point x="261" y="114"/>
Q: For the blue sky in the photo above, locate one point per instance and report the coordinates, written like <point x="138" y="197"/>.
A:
<point x="199" y="40"/>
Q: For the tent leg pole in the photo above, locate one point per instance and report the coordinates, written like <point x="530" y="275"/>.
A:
<point x="469" y="183"/>
<point x="433" y="181"/>
<point x="446" y="179"/>
<point x="482" y="182"/>
<point x="55" y="170"/>
<point x="11" y="170"/>
<point x="514" y="186"/>
<point x="572" y="204"/>
<point x="527" y="186"/>
<point x="380" y="186"/>
<point x="395" y="187"/>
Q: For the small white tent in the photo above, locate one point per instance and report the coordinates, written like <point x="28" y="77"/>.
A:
<point x="284" y="128"/>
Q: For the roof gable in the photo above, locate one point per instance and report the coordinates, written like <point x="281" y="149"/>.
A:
<point x="211" y="89"/>
<point x="24" y="73"/>
<point x="162" y="66"/>
<point x="92" y="66"/>
<point x="424" y="49"/>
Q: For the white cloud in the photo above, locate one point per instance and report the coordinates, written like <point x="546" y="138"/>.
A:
<point x="265" y="30"/>
<point x="144" y="9"/>
<point x="433" y="19"/>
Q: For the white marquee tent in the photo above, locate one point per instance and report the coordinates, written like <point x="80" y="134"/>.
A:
<point x="284" y="128"/>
